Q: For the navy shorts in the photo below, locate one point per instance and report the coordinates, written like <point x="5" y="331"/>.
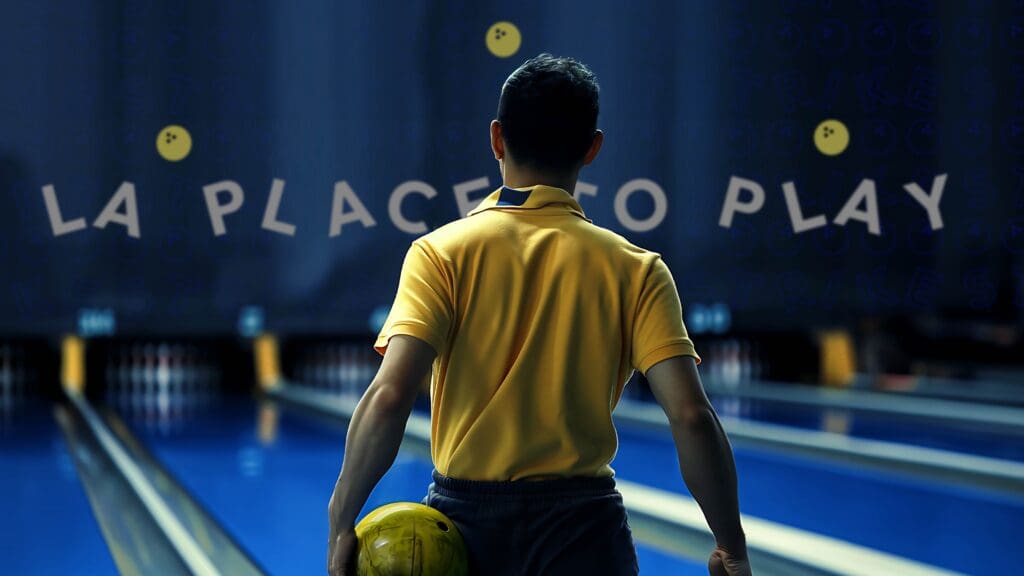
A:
<point x="562" y="527"/>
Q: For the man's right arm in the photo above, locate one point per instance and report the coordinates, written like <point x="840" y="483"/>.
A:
<point x="705" y="457"/>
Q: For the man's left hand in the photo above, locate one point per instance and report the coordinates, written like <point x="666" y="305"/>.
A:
<point x="341" y="552"/>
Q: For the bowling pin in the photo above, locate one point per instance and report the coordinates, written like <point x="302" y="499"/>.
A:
<point x="351" y="368"/>
<point x="333" y="371"/>
<point x="135" y="379"/>
<point x="732" y="363"/>
<point x="175" y="380"/>
<point x="200" y="376"/>
<point x="163" y="380"/>
<point x="714" y="366"/>
<point x="149" y="375"/>
<point x="188" y="379"/>
<point x="362" y="367"/>
<point x="744" y="360"/>
<point x="342" y="369"/>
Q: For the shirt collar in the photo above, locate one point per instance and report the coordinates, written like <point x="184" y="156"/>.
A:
<point x="530" y="198"/>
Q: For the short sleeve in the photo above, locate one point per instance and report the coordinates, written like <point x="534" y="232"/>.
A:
<point x="423" y="304"/>
<point x="658" y="329"/>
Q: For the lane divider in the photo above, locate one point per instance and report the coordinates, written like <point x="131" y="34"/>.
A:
<point x="1008" y="417"/>
<point x="180" y="538"/>
<point x="222" y="549"/>
<point x="932" y="463"/>
<point x="799" y="547"/>
<point x="113" y="509"/>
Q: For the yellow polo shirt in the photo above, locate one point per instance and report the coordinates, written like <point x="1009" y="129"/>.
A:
<point x="538" y="317"/>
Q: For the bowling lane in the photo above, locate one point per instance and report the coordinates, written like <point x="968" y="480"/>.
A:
<point x="47" y="526"/>
<point x="956" y="528"/>
<point x="266" y="473"/>
<point x="976" y="439"/>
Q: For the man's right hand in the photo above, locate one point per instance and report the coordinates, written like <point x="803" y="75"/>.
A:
<point x="724" y="564"/>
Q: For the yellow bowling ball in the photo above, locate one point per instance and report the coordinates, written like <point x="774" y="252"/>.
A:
<point x="406" y="539"/>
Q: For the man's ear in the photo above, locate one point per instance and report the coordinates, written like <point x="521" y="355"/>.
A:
<point x="595" y="147"/>
<point x="497" y="144"/>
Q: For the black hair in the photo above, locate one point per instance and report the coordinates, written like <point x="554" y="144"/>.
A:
<point x="548" y="112"/>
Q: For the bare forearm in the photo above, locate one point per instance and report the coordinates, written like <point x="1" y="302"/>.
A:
<point x="706" y="462"/>
<point x="374" y="435"/>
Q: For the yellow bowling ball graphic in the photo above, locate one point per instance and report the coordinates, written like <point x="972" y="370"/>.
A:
<point x="503" y="39"/>
<point x="173" y="143"/>
<point x="831" y="137"/>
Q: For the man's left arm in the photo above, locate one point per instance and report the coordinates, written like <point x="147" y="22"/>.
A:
<point x="374" y="435"/>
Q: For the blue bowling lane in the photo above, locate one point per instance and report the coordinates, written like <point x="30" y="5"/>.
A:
<point x="970" y="531"/>
<point x="976" y="439"/>
<point x="266" y="473"/>
<point x="47" y="525"/>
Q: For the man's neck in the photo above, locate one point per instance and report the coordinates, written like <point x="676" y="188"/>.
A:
<point x="523" y="179"/>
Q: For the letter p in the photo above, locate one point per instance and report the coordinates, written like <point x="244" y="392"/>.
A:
<point x="217" y="210"/>
<point x="732" y="203"/>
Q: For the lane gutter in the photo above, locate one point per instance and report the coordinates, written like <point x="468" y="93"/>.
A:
<point x="197" y="561"/>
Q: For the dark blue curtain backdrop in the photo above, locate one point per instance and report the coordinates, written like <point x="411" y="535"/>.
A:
<point x="380" y="93"/>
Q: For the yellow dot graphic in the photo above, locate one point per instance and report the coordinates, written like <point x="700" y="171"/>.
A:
<point x="831" y="137"/>
<point x="503" y="39"/>
<point x="173" y="143"/>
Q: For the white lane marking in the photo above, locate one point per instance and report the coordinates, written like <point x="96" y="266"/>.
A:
<point x="189" y="550"/>
<point x="802" y="547"/>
